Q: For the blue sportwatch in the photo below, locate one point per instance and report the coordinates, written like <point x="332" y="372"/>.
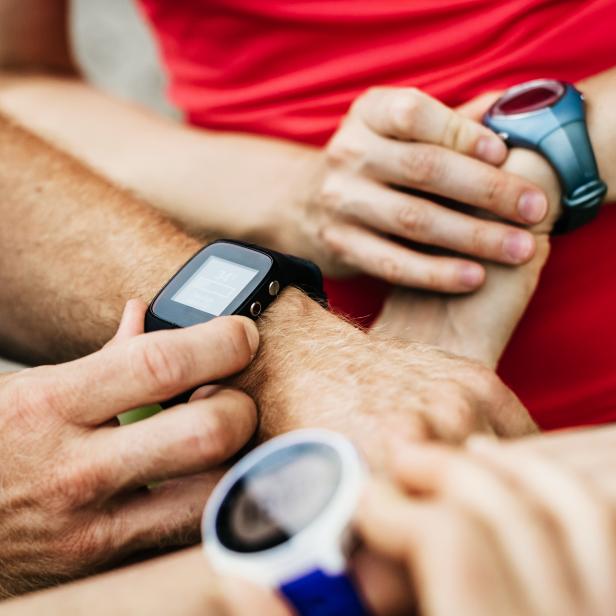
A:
<point x="281" y="518"/>
<point x="548" y="116"/>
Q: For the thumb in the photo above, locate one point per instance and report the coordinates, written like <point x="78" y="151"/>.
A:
<point x="132" y="321"/>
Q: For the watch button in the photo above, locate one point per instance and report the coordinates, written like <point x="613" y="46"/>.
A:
<point x="274" y="288"/>
<point x="255" y="309"/>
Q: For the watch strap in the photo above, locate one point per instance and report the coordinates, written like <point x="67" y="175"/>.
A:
<point x="569" y="151"/>
<point x="302" y="274"/>
<point x="320" y="594"/>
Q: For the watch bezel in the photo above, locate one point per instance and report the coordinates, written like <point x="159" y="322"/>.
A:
<point x="522" y="87"/>
<point x="180" y="315"/>
<point x="322" y="544"/>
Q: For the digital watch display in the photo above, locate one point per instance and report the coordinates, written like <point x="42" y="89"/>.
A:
<point x="228" y="277"/>
<point x="282" y="518"/>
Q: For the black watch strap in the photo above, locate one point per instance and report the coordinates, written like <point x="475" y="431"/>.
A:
<point x="570" y="152"/>
<point x="302" y="274"/>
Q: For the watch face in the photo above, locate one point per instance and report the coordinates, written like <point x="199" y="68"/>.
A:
<point x="214" y="285"/>
<point x="278" y="497"/>
<point x="217" y="281"/>
<point x="529" y="97"/>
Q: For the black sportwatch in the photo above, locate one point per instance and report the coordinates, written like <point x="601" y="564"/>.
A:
<point x="548" y="116"/>
<point x="225" y="278"/>
<point x="229" y="277"/>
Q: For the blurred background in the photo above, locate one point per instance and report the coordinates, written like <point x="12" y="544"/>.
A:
<point x="117" y="53"/>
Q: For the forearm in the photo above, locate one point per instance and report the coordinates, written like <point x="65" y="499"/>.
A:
<point x="175" y="584"/>
<point x="600" y="94"/>
<point x="73" y="250"/>
<point x="236" y="183"/>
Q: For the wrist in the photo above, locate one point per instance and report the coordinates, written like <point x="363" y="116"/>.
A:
<point x="298" y="338"/>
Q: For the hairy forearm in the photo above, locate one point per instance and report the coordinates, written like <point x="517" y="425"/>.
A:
<point x="236" y="183"/>
<point x="73" y="250"/>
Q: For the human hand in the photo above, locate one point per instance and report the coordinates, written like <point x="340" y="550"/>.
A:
<point x="397" y="152"/>
<point x="480" y="325"/>
<point x="494" y="533"/>
<point x="316" y="370"/>
<point x="73" y="497"/>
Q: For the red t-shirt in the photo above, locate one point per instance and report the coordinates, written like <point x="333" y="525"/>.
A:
<point x="291" y="68"/>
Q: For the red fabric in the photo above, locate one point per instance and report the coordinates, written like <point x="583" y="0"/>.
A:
<point x="290" y="68"/>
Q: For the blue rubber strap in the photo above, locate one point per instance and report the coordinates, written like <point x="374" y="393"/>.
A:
<point x="319" y="594"/>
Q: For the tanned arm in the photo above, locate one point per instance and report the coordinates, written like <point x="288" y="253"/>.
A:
<point x="75" y="249"/>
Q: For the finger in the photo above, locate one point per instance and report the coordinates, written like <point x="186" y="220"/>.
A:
<point x="477" y="107"/>
<point x="398" y="265"/>
<point x="446" y="173"/>
<point x="586" y="523"/>
<point x="523" y="534"/>
<point x="181" y="441"/>
<point x="384" y="584"/>
<point x="453" y="565"/>
<point x="421" y="220"/>
<point x="152" y="367"/>
<point x="131" y="323"/>
<point x="168" y="515"/>
<point x="409" y="114"/>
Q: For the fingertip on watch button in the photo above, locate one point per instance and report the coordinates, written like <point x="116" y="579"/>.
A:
<point x="533" y="206"/>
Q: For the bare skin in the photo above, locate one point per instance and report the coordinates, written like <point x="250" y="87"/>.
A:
<point x="75" y="249"/>
<point x="66" y="512"/>
<point x="519" y="528"/>
<point x="334" y="205"/>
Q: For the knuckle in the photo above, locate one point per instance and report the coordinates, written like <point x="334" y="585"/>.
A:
<point x="343" y="152"/>
<point x="87" y="545"/>
<point x="213" y="438"/>
<point x="494" y="188"/>
<point x="406" y="109"/>
<point x="332" y="241"/>
<point x="455" y="134"/>
<point x="331" y="197"/>
<point x="411" y="219"/>
<point x="71" y="486"/>
<point x="156" y="364"/>
<point x="391" y="270"/>
<point x="465" y="416"/>
<point x="421" y="165"/>
<point x="33" y="393"/>
<point x="478" y="239"/>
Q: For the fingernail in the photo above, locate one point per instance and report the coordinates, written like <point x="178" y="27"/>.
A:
<point x="252" y="333"/>
<point x="471" y="275"/>
<point x="518" y="246"/>
<point x="491" y="149"/>
<point x="207" y="391"/>
<point x="533" y="206"/>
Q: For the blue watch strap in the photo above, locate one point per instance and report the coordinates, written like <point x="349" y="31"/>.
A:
<point x="570" y="152"/>
<point x="320" y="594"/>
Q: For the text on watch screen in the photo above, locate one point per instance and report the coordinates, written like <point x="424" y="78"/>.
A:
<point x="214" y="285"/>
<point x="278" y="498"/>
